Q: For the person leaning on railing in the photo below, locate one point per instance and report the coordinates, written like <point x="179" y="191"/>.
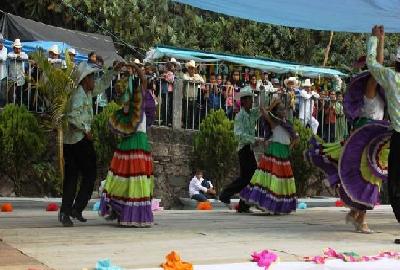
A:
<point x="192" y="81"/>
<point x="3" y="72"/>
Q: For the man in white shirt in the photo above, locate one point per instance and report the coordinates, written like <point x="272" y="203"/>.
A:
<point x="192" y="82"/>
<point x="307" y="106"/>
<point x="54" y="57"/>
<point x="3" y="72"/>
<point x="198" y="188"/>
<point x="16" y="70"/>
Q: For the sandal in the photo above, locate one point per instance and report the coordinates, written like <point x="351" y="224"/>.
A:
<point x="350" y="219"/>
<point x="363" y="228"/>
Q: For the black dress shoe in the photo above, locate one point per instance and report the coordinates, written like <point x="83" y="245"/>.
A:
<point x="224" y="199"/>
<point x="245" y="211"/>
<point x="112" y="216"/>
<point x="65" y="220"/>
<point x="78" y="215"/>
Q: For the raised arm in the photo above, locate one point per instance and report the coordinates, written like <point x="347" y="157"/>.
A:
<point x="382" y="75"/>
<point x="266" y="112"/>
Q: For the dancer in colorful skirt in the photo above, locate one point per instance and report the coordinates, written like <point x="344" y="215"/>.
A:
<point x="357" y="166"/>
<point x="128" y="188"/>
<point x="390" y="80"/>
<point x="272" y="187"/>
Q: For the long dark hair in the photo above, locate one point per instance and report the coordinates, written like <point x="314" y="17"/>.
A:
<point x="282" y="122"/>
<point x="397" y="66"/>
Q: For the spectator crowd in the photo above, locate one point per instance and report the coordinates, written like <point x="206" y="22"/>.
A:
<point x="317" y="103"/>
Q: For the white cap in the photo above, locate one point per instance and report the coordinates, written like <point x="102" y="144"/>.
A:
<point x="54" y="49"/>
<point x="17" y="43"/>
<point x="191" y="63"/>
<point x="307" y="83"/>
<point x="72" y="51"/>
<point x="137" y="62"/>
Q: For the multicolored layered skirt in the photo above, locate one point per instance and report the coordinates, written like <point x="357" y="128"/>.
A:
<point x="358" y="165"/>
<point x="272" y="187"/>
<point x="128" y="188"/>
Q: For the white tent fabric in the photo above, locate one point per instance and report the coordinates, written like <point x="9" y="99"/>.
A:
<point x="357" y="16"/>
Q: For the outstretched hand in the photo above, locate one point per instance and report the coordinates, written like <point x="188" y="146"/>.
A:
<point x="378" y="31"/>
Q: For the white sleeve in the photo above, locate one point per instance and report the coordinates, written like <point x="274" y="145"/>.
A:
<point x="200" y="187"/>
<point x="3" y="55"/>
<point x="315" y="94"/>
<point x="304" y="94"/>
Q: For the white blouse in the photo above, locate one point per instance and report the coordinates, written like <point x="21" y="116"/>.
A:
<point x="374" y="108"/>
<point x="280" y="135"/>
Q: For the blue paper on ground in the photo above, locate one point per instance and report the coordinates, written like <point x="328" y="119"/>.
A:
<point x="106" y="265"/>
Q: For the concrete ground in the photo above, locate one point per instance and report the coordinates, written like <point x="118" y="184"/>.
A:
<point x="201" y="237"/>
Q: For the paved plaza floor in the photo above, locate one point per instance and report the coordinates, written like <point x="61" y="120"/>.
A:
<point x="32" y="238"/>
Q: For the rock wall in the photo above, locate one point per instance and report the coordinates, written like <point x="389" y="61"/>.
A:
<point x="172" y="153"/>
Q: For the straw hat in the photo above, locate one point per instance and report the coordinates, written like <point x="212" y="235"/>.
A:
<point x="71" y="51"/>
<point x="291" y="79"/>
<point x="191" y="63"/>
<point x="17" y="43"/>
<point x="244" y="92"/>
<point x="54" y="49"/>
<point x="84" y="69"/>
<point x="137" y="62"/>
<point x="307" y="83"/>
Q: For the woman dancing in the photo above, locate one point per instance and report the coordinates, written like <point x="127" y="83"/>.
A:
<point x="272" y="187"/>
<point x="357" y="166"/>
<point x="128" y="188"/>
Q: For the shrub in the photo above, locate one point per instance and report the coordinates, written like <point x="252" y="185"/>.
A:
<point x="304" y="171"/>
<point x="22" y="143"/>
<point x="215" y="147"/>
<point x="48" y="179"/>
<point x="105" y="141"/>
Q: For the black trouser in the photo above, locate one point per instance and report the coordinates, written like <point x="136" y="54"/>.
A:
<point x="248" y="166"/>
<point x="394" y="174"/>
<point x="329" y="132"/>
<point x="166" y="108"/>
<point x="80" y="158"/>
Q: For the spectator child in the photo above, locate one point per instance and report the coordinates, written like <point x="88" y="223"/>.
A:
<point x="199" y="187"/>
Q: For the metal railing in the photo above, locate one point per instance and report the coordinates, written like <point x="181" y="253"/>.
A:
<point x="198" y="100"/>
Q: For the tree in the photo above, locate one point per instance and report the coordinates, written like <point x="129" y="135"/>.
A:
<point x="214" y="147"/>
<point x="22" y="143"/>
<point x="55" y="86"/>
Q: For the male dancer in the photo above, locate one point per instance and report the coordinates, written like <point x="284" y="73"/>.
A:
<point x="79" y="154"/>
<point x="244" y="130"/>
<point x="389" y="79"/>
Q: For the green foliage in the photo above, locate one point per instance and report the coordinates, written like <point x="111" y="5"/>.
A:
<point x="214" y="147"/>
<point x="48" y="179"/>
<point x="22" y="143"/>
<point x="55" y="86"/>
<point x="303" y="171"/>
<point x="105" y="141"/>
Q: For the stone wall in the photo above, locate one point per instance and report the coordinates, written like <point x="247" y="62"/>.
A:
<point x="172" y="153"/>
